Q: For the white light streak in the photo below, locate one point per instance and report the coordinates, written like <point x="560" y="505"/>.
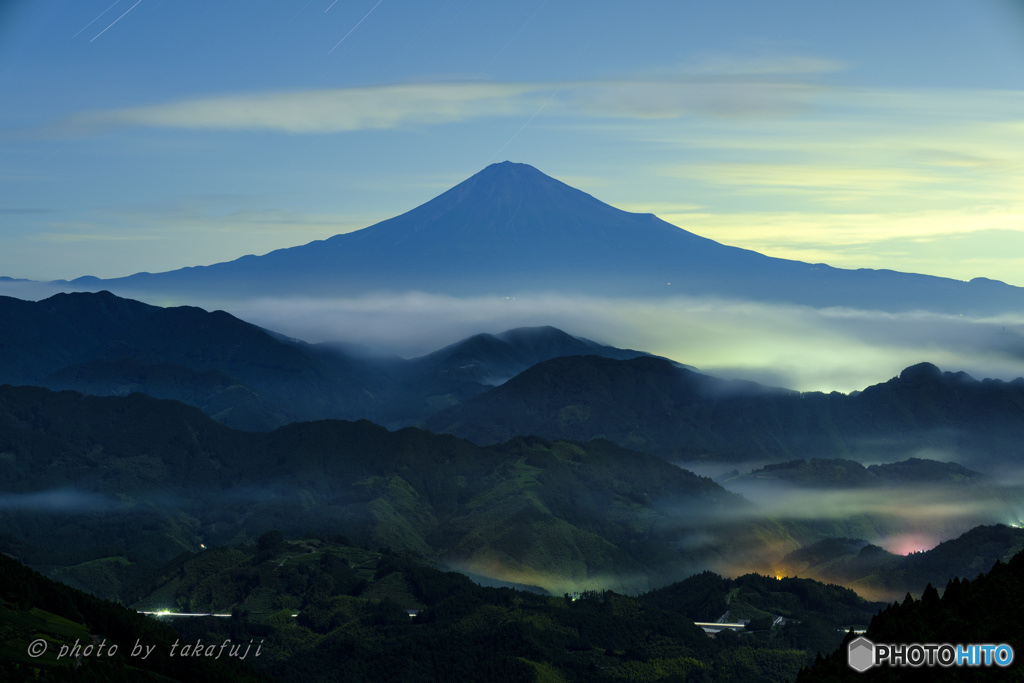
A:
<point x="530" y="120"/>
<point x="116" y="20"/>
<point x="352" y="29"/>
<point x="94" y="20"/>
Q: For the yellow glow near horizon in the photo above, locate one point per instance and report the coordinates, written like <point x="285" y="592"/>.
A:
<point x="962" y="244"/>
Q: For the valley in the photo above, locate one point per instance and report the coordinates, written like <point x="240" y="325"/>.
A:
<point x="527" y="486"/>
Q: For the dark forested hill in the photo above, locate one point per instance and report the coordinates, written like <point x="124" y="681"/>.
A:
<point x="235" y="371"/>
<point x="986" y="609"/>
<point x="102" y="488"/>
<point x="38" y="338"/>
<point x="323" y="611"/>
<point x="247" y="377"/>
<point x="653" y="405"/>
<point x="42" y="622"/>
<point x="306" y="596"/>
<point x="422" y="386"/>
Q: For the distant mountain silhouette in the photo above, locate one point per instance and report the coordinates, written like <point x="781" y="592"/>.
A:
<point x="493" y="359"/>
<point x="651" y="405"/>
<point x="837" y="473"/>
<point x="885" y="576"/>
<point x="247" y="377"/>
<point x="237" y="372"/>
<point x="469" y="367"/>
<point x="510" y="229"/>
<point x="38" y="338"/>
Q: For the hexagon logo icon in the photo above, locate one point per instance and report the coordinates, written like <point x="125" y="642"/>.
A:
<point x="860" y="654"/>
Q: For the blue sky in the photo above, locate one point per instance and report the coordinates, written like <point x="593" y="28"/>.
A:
<point x="151" y="134"/>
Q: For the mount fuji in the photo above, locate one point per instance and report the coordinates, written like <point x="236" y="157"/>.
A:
<point x="511" y="230"/>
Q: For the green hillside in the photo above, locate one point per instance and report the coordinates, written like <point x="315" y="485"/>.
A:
<point x="328" y="611"/>
<point x="101" y="490"/>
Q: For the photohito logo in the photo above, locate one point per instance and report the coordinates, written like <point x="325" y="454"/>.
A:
<point x="862" y="654"/>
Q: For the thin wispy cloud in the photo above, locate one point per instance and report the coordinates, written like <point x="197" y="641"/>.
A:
<point x="846" y="228"/>
<point x="393" y="106"/>
<point x="984" y="242"/>
<point x="913" y="504"/>
<point x="841" y="183"/>
<point x="57" y="501"/>
<point x="746" y="67"/>
<point x="673" y="99"/>
<point x="722" y="87"/>
<point x="322" y="111"/>
<point x="92" y="237"/>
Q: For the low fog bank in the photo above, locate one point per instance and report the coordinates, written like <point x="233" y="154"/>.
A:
<point x="30" y="290"/>
<point x="795" y="347"/>
<point x="901" y="518"/>
<point x="504" y="571"/>
<point x="790" y="346"/>
<point x="770" y="535"/>
<point x="61" y="500"/>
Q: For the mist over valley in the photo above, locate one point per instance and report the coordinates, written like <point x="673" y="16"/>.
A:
<point x="155" y="452"/>
<point x="375" y="341"/>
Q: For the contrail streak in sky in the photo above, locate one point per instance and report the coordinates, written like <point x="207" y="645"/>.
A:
<point x="548" y="100"/>
<point x="332" y="5"/>
<point x="483" y="70"/>
<point x="94" y="20"/>
<point x="530" y="120"/>
<point x="115" y="21"/>
<point x="353" y="28"/>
